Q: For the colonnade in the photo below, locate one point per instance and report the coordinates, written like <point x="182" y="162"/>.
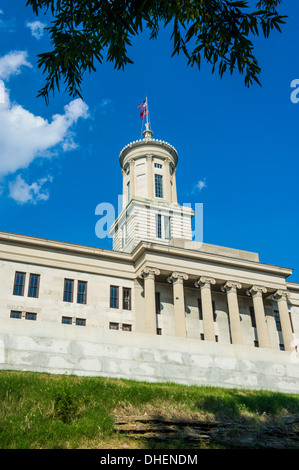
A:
<point x="230" y="288"/>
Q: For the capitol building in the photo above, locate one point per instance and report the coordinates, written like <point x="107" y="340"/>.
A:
<point x="159" y="306"/>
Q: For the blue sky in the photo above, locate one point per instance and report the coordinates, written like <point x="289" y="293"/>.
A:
<point x="58" y="162"/>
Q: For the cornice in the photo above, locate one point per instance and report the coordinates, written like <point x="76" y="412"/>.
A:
<point x="210" y="257"/>
<point x="147" y="143"/>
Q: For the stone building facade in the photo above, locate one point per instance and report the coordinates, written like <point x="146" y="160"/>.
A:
<point x="159" y="306"/>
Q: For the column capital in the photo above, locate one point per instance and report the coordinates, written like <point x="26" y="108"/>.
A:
<point x="231" y="286"/>
<point x="149" y="156"/>
<point x="257" y="291"/>
<point x="280" y="294"/>
<point x="177" y="277"/>
<point x="205" y="281"/>
<point x="149" y="272"/>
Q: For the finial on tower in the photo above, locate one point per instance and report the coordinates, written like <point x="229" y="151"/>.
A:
<point x="147" y="133"/>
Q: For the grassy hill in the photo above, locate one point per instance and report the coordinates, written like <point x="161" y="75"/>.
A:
<point x="43" y="411"/>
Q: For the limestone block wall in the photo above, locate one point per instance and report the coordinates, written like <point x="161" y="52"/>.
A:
<point x="49" y="347"/>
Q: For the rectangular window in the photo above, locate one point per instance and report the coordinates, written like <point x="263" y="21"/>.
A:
<point x="113" y="326"/>
<point x="81" y="321"/>
<point x="33" y="285"/>
<point x="68" y="290"/>
<point x="114" y="296"/>
<point x="82" y="292"/>
<point x="252" y="316"/>
<point x="158" y="303"/>
<point x="66" y="320"/>
<point x="126" y="327"/>
<point x="128" y="191"/>
<point x="167" y="227"/>
<point x="15" y="314"/>
<point x="158" y="185"/>
<point x="277" y="320"/>
<point x="30" y="316"/>
<point x="158" y="165"/>
<point x="159" y="331"/>
<point x="202" y="336"/>
<point x="199" y="309"/>
<point x="19" y="284"/>
<point x="126" y="298"/>
<point x="214" y="310"/>
<point x="158" y="226"/>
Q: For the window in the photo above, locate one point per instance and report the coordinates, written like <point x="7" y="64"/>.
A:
<point x="114" y="297"/>
<point x="126" y="298"/>
<point x="158" y="303"/>
<point x="277" y="320"/>
<point x="33" y="285"/>
<point x="15" y="314"/>
<point x="158" y="185"/>
<point x="202" y="336"/>
<point x="158" y="226"/>
<point x="81" y="321"/>
<point x="159" y="331"/>
<point x="66" y="320"/>
<point x="158" y="165"/>
<point x="126" y="327"/>
<point x="30" y="316"/>
<point x="128" y="191"/>
<point x="167" y="227"/>
<point x="199" y="309"/>
<point x="68" y="290"/>
<point x="82" y="290"/>
<point x="214" y="310"/>
<point x="19" y="284"/>
<point x="113" y="326"/>
<point x="252" y="316"/>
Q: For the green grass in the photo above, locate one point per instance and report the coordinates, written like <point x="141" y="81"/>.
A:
<point x="51" y="411"/>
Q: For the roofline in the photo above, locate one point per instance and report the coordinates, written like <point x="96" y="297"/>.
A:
<point x="140" y="249"/>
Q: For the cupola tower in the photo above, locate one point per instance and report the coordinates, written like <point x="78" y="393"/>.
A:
<point x="150" y="211"/>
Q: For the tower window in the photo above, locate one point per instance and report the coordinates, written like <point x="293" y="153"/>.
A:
<point x="159" y="185"/>
<point x="128" y="190"/>
<point x="158" y="165"/>
<point x="158" y="226"/>
<point x="167" y="227"/>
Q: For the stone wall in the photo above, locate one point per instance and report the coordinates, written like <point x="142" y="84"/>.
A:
<point x="86" y="351"/>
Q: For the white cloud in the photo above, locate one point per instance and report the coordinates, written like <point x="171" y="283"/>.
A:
<point x="11" y="63"/>
<point x="25" y="136"/>
<point x="201" y="184"/>
<point x="36" y="27"/>
<point x="23" y="193"/>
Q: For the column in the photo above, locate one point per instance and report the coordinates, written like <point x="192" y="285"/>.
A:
<point x="174" y="192"/>
<point x="125" y="196"/>
<point x="150" y="182"/>
<point x="177" y="280"/>
<point x="150" y="324"/>
<point x="167" y="180"/>
<point x="259" y="312"/>
<point x="280" y="297"/>
<point x="206" y="306"/>
<point x="230" y="288"/>
<point x="132" y="179"/>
